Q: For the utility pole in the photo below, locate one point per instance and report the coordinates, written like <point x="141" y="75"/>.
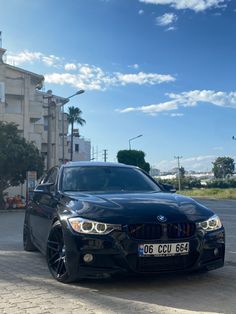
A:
<point x="178" y="158"/>
<point x="0" y="39"/>
<point x="63" y="129"/>
<point x="105" y="155"/>
<point x="49" y="97"/>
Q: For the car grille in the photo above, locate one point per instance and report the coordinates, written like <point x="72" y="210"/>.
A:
<point x="180" y="230"/>
<point x="170" y="263"/>
<point x="157" y="231"/>
<point x="145" y="231"/>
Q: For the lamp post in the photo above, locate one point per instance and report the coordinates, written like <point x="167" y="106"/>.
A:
<point x="133" y="138"/>
<point x="63" y="124"/>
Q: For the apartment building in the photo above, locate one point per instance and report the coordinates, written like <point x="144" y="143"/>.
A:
<point x="23" y="102"/>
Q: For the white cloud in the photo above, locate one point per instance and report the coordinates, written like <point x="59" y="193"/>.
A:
<point x="31" y="57"/>
<point x="176" y="114"/>
<point x="192" y="98"/>
<point x="197" y="163"/>
<point x="23" y="57"/>
<point x="94" y="78"/>
<point x="152" y="109"/>
<point x="171" y="28"/>
<point x="218" y="148"/>
<point x="86" y="76"/>
<point x="166" y="19"/>
<point x="134" y="66"/>
<point x="188" y="99"/>
<point x="140" y="12"/>
<point x="198" y="158"/>
<point x="195" y="5"/>
<point x="142" y="78"/>
<point x="51" y="60"/>
<point x="70" y="67"/>
<point x="75" y="80"/>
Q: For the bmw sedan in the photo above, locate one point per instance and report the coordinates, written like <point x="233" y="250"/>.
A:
<point x="97" y="219"/>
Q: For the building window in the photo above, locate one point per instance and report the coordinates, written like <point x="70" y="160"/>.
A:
<point x="2" y="92"/>
<point x="13" y="104"/>
<point x="77" y="148"/>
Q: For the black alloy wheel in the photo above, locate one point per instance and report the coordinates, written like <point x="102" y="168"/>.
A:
<point x="27" y="242"/>
<point x="56" y="255"/>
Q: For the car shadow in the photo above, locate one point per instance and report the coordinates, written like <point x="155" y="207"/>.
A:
<point x="212" y="292"/>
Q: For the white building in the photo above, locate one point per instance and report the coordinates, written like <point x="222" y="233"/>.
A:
<point x="154" y="172"/>
<point x="22" y="102"/>
<point x="81" y="147"/>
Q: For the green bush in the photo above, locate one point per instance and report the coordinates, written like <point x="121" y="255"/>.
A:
<point x="222" y="183"/>
<point x="187" y="183"/>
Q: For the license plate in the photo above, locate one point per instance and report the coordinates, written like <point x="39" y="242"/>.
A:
<point x="164" y="249"/>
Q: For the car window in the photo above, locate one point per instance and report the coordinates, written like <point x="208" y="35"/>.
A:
<point x="106" y="179"/>
<point x="51" y="177"/>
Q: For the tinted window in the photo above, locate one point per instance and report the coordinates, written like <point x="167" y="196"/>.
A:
<point x="51" y="176"/>
<point x="106" y="179"/>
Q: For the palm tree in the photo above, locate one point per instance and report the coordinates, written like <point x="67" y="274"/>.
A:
<point x="74" y="116"/>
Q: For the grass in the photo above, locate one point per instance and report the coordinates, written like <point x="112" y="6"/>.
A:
<point x="211" y="193"/>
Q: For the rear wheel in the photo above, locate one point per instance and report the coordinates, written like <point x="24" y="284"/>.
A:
<point x="56" y="255"/>
<point x="27" y="242"/>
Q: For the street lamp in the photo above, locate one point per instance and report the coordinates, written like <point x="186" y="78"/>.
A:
<point x="133" y="138"/>
<point x="63" y="124"/>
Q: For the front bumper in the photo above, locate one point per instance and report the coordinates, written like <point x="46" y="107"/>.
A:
<point x="117" y="253"/>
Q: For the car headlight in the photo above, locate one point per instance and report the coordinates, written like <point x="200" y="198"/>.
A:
<point x="211" y="224"/>
<point x="86" y="226"/>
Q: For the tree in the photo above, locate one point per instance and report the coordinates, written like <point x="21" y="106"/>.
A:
<point x="133" y="157"/>
<point x="182" y="172"/>
<point x="17" y="156"/>
<point x="74" y="116"/>
<point x="223" y="167"/>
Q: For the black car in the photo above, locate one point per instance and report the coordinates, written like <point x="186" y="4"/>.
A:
<point x="96" y="219"/>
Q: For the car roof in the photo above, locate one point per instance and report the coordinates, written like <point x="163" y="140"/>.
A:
<point x="95" y="164"/>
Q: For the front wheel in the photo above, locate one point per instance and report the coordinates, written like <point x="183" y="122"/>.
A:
<point x="56" y="255"/>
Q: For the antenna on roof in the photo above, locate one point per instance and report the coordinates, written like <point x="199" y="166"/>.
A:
<point x="0" y="39"/>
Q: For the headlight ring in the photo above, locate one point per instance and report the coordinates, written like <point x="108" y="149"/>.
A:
<point x="211" y="224"/>
<point x="86" y="226"/>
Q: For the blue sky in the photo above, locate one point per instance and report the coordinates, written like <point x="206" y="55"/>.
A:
<point x="161" y="68"/>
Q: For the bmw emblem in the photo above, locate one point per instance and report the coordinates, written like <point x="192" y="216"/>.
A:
<point x="161" y="218"/>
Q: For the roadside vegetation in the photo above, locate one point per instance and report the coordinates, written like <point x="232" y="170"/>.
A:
<point x="211" y="193"/>
<point x="17" y="156"/>
<point x="222" y="186"/>
<point x="133" y="157"/>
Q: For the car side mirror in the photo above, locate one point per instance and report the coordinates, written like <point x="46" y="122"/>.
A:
<point x="168" y="188"/>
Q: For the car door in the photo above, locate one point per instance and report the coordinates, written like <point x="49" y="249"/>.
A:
<point x="43" y="207"/>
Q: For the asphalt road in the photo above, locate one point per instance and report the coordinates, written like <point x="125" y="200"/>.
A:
<point x="27" y="287"/>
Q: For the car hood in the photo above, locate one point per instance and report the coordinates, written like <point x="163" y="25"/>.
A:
<point x="127" y="208"/>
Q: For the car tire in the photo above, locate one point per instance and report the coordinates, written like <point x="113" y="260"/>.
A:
<point x="57" y="255"/>
<point x="27" y="242"/>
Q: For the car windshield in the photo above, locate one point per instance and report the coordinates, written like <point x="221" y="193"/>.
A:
<point x="106" y="179"/>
